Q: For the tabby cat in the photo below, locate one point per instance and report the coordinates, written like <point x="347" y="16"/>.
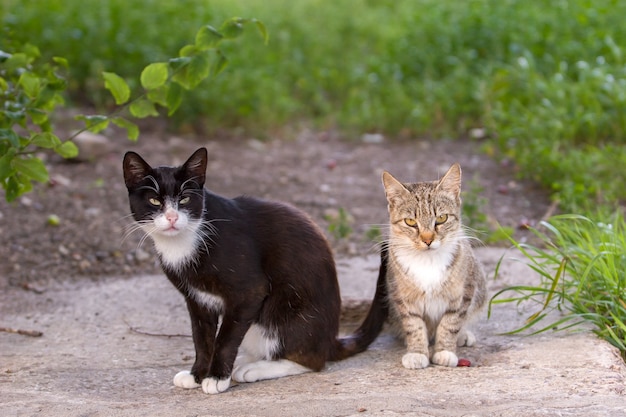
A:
<point x="258" y="277"/>
<point x="430" y="283"/>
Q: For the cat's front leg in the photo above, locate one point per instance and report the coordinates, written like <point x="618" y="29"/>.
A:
<point x="215" y="385"/>
<point x="229" y="338"/>
<point x="203" y="330"/>
<point x="185" y="379"/>
<point x="416" y="337"/>
<point x="446" y="340"/>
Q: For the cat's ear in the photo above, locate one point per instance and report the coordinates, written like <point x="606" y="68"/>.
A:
<point x="195" y="167"/>
<point x="135" y="169"/>
<point x="451" y="182"/>
<point x="395" y="191"/>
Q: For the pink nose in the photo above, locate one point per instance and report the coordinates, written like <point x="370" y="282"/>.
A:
<point x="171" y="216"/>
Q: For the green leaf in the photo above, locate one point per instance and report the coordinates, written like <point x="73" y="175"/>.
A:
<point x="262" y="30"/>
<point x="197" y="70"/>
<point x="45" y="140"/>
<point x="61" y="61"/>
<point x="31" y="51"/>
<point x="94" y="123"/>
<point x="188" y="51"/>
<point x="15" y="186"/>
<point x="232" y="28"/>
<point x="31" y="84"/>
<point x="177" y="63"/>
<point x="207" y="38"/>
<point x="16" y="61"/>
<point x="39" y="117"/>
<point x="11" y="136"/>
<point x="143" y="108"/>
<point x="154" y="75"/>
<point x="6" y="168"/>
<point x="32" y="168"/>
<point x="117" y="86"/>
<point x="67" y="149"/>
<point x="219" y="64"/>
<point x="131" y="129"/>
<point x="159" y="95"/>
<point x="174" y="98"/>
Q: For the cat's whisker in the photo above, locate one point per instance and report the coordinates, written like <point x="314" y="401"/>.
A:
<point x="127" y="228"/>
<point x="148" y="233"/>
<point x="134" y="227"/>
<point x="400" y="244"/>
<point x="472" y="234"/>
<point x="217" y="220"/>
<point x="380" y="245"/>
<point x="129" y="231"/>
<point x="123" y="218"/>
<point x="383" y="226"/>
<point x="375" y="247"/>
<point x="207" y="239"/>
<point x="209" y="231"/>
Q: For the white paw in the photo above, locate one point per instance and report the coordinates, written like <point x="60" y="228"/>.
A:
<point x="214" y="385"/>
<point x="184" y="379"/>
<point x="466" y="338"/>
<point x="445" y="358"/>
<point x="260" y="370"/>
<point x="245" y="373"/>
<point x="413" y="360"/>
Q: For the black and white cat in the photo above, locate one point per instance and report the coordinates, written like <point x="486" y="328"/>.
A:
<point x="258" y="277"/>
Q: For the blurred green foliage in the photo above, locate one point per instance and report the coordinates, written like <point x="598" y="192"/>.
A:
<point x="546" y="79"/>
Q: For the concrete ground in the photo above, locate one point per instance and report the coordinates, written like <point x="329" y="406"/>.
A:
<point x="113" y="348"/>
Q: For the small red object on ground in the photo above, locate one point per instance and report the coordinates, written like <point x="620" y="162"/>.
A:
<point x="464" y="362"/>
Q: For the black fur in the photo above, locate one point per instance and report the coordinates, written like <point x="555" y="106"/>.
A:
<point x="377" y="314"/>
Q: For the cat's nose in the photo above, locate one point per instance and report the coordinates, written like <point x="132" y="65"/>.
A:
<point x="427" y="238"/>
<point x="171" y="216"/>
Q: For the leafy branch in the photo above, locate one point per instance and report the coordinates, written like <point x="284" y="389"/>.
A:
<point x="30" y="91"/>
<point x="164" y="82"/>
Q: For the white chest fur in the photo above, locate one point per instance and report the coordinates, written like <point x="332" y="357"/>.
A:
<point x="210" y="301"/>
<point x="427" y="269"/>
<point x="176" y="251"/>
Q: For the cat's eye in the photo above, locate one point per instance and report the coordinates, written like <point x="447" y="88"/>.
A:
<point x="410" y="222"/>
<point x="442" y="218"/>
<point x="184" y="200"/>
<point x="154" y="202"/>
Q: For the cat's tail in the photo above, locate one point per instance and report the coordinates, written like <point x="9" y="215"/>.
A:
<point x="374" y="321"/>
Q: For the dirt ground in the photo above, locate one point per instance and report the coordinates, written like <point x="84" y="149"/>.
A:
<point x="318" y="172"/>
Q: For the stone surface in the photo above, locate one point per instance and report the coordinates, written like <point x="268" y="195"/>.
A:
<point x="112" y="348"/>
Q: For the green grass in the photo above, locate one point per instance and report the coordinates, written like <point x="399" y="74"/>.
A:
<point x="581" y="264"/>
